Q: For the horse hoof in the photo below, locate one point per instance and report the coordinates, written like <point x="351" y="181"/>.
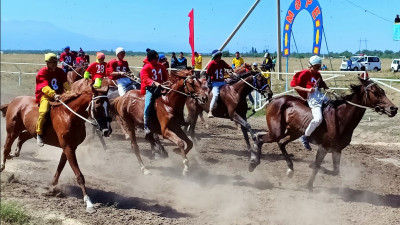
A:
<point x="252" y="167"/>
<point x="90" y="210"/>
<point x="146" y="172"/>
<point x="185" y="172"/>
<point x="207" y="126"/>
<point x="290" y="173"/>
<point x="2" y="167"/>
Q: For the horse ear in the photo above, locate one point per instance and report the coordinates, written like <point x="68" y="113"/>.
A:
<point x="363" y="81"/>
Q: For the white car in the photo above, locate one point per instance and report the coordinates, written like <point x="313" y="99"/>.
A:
<point x="371" y="63"/>
<point x="394" y="67"/>
<point x="355" y="65"/>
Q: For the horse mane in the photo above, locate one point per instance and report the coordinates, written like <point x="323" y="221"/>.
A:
<point x="354" y="89"/>
<point x="176" y="75"/>
<point x="69" y="96"/>
<point x="235" y="79"/>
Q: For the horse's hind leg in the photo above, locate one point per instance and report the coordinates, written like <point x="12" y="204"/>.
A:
<point x="135" y="148"/>
<point x="160" y="150"/>
<point x="321" y="153"/>
<point x="11" y="136"/>
<point x="23" y="136"/>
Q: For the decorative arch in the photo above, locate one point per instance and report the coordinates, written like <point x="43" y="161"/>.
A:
<point x="314" y="9"/>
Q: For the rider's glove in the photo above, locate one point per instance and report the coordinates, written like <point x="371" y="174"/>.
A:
<point x="57" y="97"/>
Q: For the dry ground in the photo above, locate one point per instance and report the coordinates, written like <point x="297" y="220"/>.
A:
<point x="219" y="188"/>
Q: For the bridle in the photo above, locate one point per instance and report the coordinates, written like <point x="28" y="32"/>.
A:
<point x="186" y="88"/>
<point x="254" y="86"/>
<point x="90" y="109"/>
<point x="366" y="90"/>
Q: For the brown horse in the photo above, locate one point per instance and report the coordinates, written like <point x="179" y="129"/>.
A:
<point x="76" y="73"/>
<point x="167" y="119"/>
<point x="66" y="130"/>
<point x="232" y="104"/>
<point x="288" y="117"/>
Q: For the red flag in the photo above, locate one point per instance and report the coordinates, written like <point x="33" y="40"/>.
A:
<point x="191" y="34"/>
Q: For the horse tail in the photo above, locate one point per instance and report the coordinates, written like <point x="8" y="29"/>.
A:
<point x="3" y="109"/>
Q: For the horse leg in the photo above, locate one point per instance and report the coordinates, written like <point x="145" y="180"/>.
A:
<point x="172" y="136"/>
<point x="158" y="146"/>
<point x="336" y="162"/>
<point x="192" y="133"/>
<point x="60" y="167"/>
<point x="135" y="148"/>
<point x="11" y="136"/>
<point x="23" y="136"/>
<point x="71" y="157"/>
<point x="121" y="123"/>
<point x="247" y="128"/>
<point x="282" y="146"/>
<point x="321" y="153"/>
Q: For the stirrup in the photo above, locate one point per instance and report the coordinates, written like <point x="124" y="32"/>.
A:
<point x="305" y="142"/>
<point x="39" y="141"/>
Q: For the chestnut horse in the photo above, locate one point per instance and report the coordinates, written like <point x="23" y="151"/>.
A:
<point x="232" y="104"/>
<point x="76" y="73"/>
<point x="288" y="117"/>
<point x="167" y="118"/>
<point x="64" y="129"/>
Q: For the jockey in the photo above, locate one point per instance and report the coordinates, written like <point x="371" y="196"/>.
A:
<point x="81" y="57"/>
<point x="304" y="83"/>
<point x="163" y="60"/>
<point x="116" y="70"/>
<point x="97" y="70"/>
<point x="215" y="74"/>
<point x="151" y="75"/>
<point x="51" y="81"/>
<point x="67" y="59"/>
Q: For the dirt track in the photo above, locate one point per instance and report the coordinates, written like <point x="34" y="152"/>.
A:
<point x="219" y="188"/>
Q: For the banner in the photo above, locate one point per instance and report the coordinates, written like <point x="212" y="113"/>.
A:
<point x="396" y="32"/>
<point x="191" y="34"/>
<point x="314" y="9"/>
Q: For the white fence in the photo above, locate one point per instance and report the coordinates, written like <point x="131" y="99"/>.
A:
<point x="260" y="102"/>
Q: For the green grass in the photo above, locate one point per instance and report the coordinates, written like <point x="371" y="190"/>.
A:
<point x="12" y="213"/>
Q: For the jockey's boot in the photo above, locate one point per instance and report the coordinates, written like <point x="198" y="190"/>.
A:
<point x="146" y="128"/>
<point x="304" y="141"/>
<point x="39" y="140"/>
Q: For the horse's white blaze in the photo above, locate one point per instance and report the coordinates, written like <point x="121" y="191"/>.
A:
<point x="105" y="104"/>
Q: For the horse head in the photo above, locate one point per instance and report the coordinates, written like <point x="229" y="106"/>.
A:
<point x="375" y="97"/>
<point x="99" y="109"/>
<point x="192" y="86"/>
<point x="262" y="84"/>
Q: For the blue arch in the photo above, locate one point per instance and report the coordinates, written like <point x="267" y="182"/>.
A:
<point x="315" y="11"/>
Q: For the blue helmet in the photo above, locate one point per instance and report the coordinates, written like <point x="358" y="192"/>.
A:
<point x="216" y="53"/>
<point x="161" y="56"/>
<point x="66" y="47"/>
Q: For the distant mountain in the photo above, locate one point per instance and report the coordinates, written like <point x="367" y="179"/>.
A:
<point x="35" y="35"/>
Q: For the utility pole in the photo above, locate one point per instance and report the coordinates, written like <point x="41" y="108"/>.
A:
<point x="278" y="52"/>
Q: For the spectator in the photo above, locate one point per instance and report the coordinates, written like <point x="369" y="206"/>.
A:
<point x="397" y="19"/>
<point x="198" y="59"/>
<point x="267" y="62"/>
<point x="67" y="59"/>
<point x="81" y="59"/>
<point x="349" y="63"/>
<point x="255" y="67"/>
<point x="273" y="63"/>
<point x="324" y="67"/>
<point x="182" y="61"/>
<point x="174" y="60"/>
<point x="237" y="61"/>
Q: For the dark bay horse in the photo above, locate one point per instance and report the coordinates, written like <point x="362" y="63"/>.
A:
<point x="288" y="117"/>
<point x="232" y="104"/>
<point x="167" y="119"/>
<point x="64" y="129"/>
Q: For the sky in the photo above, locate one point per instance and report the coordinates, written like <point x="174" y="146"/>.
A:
<point x="163" y="25"/>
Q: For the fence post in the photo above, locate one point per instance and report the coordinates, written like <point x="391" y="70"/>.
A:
<point x="19" y="78"/>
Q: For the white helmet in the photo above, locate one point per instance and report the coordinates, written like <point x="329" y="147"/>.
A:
<point x="118" y="50"/>
<point x="314" y="60"/>
<point x="266" y="55"/>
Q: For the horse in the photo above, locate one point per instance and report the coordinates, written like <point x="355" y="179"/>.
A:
<point x="232" y="104"/>
<point x="167" y="118"/>
<point x="287" y="118"/>
<point x="76" y="73"/>
<point x="64" y="129"/>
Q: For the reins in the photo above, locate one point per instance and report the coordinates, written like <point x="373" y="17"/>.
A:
<point x="94" y="123"/>
<point x="74" y="70"/>
<point x="366" y="96"/>
<point x="253" y="86"/>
